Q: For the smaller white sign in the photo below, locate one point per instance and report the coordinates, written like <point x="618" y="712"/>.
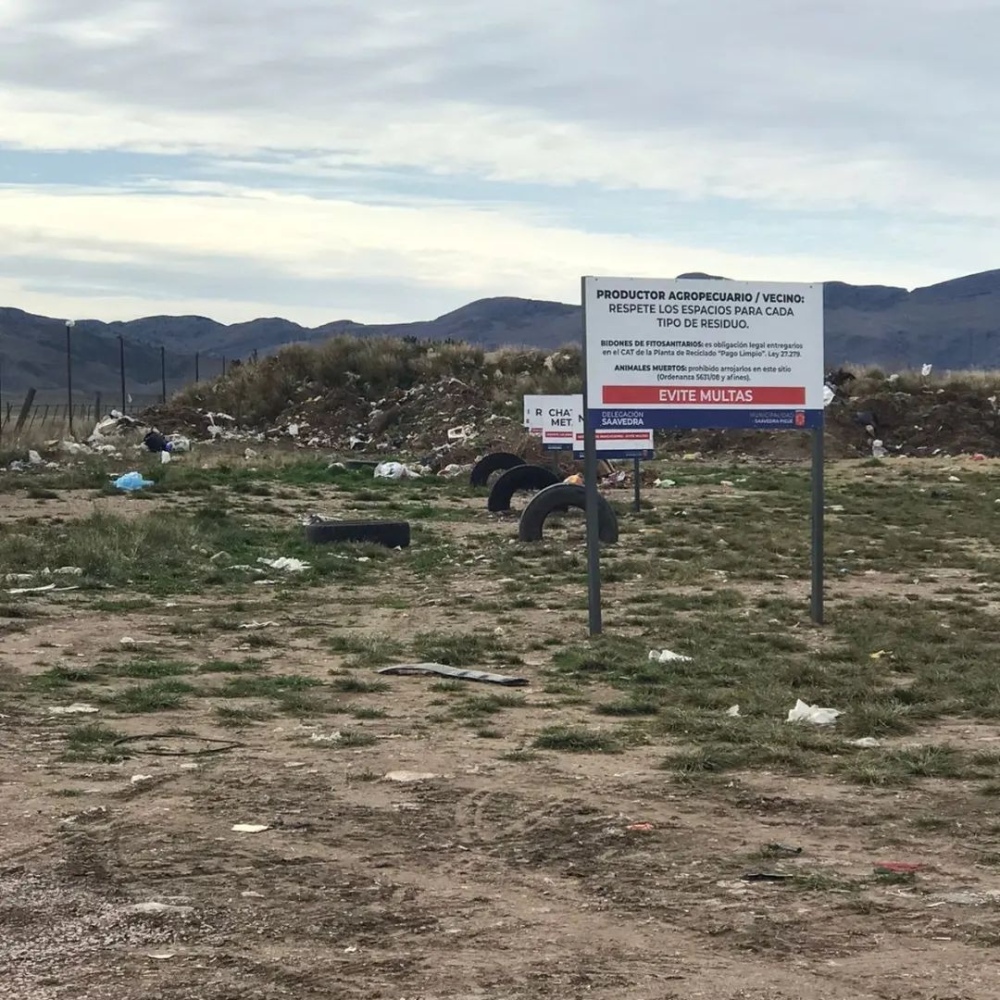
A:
<point x="558" y="421"/>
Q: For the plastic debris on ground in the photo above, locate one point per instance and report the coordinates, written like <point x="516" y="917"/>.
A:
<point x="640" y="828"/>
<point x="866" y="743"/>
<point x="395" y="470"/>
<point x="668" y="656"/>
<point x="925" y="370"/>
<point x="77" y="708"/>
<point x="132" y="481"/>
<point x="257" y="624"/>
<point x="734" y="712"/>
<point x="897" y="868"/>
<point x="250" y="828"/>
<point x="286" y="563"/>
<point x="813" y="714"/>
<point x="409" y="777"/>
<point x="665" y="483"/>
<point x="878" y="449"/>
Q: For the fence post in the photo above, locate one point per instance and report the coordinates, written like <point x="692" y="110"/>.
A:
<point x="69" y="375"/>
<point x="25" y="411"/>
<point x="223" y="365"/>
<point x="163" y="374"/>
<point x="197" y="367"/>
<point x="121" y="365"/>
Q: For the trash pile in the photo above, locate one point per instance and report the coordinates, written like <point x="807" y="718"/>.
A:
<point x="448" y="422"/>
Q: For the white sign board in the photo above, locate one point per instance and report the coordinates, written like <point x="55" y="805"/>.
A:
<point x="699" y="353"/>
<point x="558" y="421"/>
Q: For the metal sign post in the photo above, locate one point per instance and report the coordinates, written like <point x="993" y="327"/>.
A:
<point x="818" y="510"/>
<point x="592" y="495"/>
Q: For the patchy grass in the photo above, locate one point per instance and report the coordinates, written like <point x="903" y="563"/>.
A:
<point x="576" y="739"/>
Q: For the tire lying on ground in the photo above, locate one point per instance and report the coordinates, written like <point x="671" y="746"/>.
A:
<point x="391" y="534"/>
<point x="516" y="480"/>
<point x="499" y="461"/>
<point x="558" y="498"/>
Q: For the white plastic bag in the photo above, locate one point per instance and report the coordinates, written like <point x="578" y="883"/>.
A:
<point x="667" y="656"/>
<point x="813" y="713"/>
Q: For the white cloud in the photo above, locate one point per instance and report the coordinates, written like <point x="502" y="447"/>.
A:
<point x="842" y="108"/>
<point x="463" y="253"/>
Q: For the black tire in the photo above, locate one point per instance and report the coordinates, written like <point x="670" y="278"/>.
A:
<point x="391" y="534"/>
<point x="560" y="497"/>
<point x="521" y="477"/>
<point x="499" y="461"/>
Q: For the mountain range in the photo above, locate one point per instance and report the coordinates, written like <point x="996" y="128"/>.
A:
<point x="954" y="324"/>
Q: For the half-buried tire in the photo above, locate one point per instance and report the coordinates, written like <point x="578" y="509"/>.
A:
<point x="558" y="498"/>
<point x="391" y="534"/>
<point x="499" y="461"/>
<point x="517" y="480"/>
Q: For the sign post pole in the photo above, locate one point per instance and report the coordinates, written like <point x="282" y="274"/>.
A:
<point x="590" y="488"/>
<point x="637" y="473"/>
<point x="816" y="595"/>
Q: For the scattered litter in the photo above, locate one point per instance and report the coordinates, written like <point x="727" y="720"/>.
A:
<point x="77" y="708"/>
<point x="782" y="850"/>
<point x="879" y="653"/>
<point x="866" y="742"/>
<point x="34" y="458"/>
<point x="155" y="750"/>
<point x="667" y="656"/>
<point x="978" y="457"/>
<point x="160" y="956"/>
<point x="926" y="370"/>
<point x="250" y="828"/>
<point x="138" y="779"/>
<point x="897" y="868"/>
<point x="813" y="713"/>
<point x="132" y="481"/>
<point x="256" y="624"/>
<point x="409" y="777"/>
<point x="665" y="482"/>
<point x="878" y="449"/>
<point x="640" y="827"/>
<point x="127" y="640"/>
<point x="828" y="395"/>
<point x="441" y="670"/>
<point x="954" y="479"/>
<point x="48" y="588"/>
<point x="158" y="909"/>
<point x="734" y="712"/>
<point x="766" y="877"/>
<point x="967" y="898"/>
<point x="333" y="737"/>
<point x="286" y="563"/>
<point x="395" y="470"/>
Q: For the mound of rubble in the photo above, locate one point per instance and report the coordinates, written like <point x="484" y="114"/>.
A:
<point x="455" y="420"/>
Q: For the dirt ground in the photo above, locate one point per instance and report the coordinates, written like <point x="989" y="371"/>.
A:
<point x="486" y="872"/>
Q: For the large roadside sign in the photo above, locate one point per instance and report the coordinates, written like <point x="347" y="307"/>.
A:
<point x="696" y="353"/>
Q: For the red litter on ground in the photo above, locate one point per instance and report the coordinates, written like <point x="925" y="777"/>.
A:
<point x="640" y="827"/>
<point x="898" y="867"/>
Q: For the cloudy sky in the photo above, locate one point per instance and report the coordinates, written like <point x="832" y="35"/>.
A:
<point x="387" y="160"/>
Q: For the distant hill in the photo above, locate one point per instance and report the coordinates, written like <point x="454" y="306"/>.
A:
<point x="954" y="324"/>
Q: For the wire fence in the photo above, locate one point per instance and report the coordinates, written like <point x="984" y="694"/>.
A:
<point x="131" y="376"/>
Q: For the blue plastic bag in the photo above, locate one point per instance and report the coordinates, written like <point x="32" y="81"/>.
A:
<point x="132" y="481"/>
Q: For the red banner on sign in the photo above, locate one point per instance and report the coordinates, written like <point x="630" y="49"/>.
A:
<point x="703" y="395"/>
